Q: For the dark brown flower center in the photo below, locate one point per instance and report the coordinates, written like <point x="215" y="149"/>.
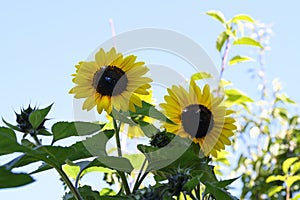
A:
<point x="110" y="81"/>
<point x="197" y="120"/>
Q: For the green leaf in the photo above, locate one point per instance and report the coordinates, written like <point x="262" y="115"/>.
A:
<point x="287" y="163"/>
<point x="275" y="178"/>
<point x="274" y="190"/>
<point x="38" y="116"/>
<point x="63" y="130"/>
<point x="291" y="180"/>
<point x="201" y="75"/>
<point x="8" y="142"/>
<point x="242" y="17"/>
<point x="86" y="192"/>
<point x="9" y="179"/>
<point x="247" y="41"/>
<point x="123" y="117"/>
<point x="238" y="59"/>
<point x="148" y="129"/>
<point x="44" y="132"/>
<point x="21" y="161"/>
<point x="225" y="183"/>
<point x="149" y="110"/>
<point x="217" y="192"/>
<point x="112" y="162"/>
<point x="11" y="126"/>
<point x="82" y="149"/>
<point x="221" y="40"/>
<point x="116" y="198"/>
<point x="27" y="143"/>
<point x="218" y="15"/>
<point x="191" y="184"/>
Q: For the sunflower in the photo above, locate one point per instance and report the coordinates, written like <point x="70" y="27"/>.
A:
<point x="200" y="116"/>
<point x="111" y="81"/>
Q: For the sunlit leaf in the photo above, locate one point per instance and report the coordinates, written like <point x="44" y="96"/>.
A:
<point x="71" y="170"/>
<point x="225" y="83"/>
<point x="239" y="59"/>
<point x="274" y="190"/>
<point x="284" y="98"/>
<point x="135" y="159"/>
<point x="281" y="112"/>
<point x="221" y="40"/>
<point x="218" y="15"/>
<point x="275" y="178"/>
<point x="295" y="167"/>
<point x="243" y="17"/>
<point x="235" y="97"/>
<point x="200" y="76"/>
<point x="287" y="163"/>
<point x="296" y="197"/>
<point x="247" y="41"/>
<point x="107" y="191"/>
<point x="292" y="179"/>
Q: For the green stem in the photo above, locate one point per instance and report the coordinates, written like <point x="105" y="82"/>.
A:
<point x="36" y="139"/>
<point x="117" y="131"/>
<point x="66" y="179"/>
<point x="184" y="195"/>
<point x="192" y="196"/>
<point x="121" y="174"/>
<point x="139" y="182"/>
<point x="198" y="191"/>
<point x="224" y="63"/>
<point x="136" y="186"/>
<point x="62" y="174"/>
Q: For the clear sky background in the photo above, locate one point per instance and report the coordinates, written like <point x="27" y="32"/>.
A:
<point x="41" y="41"/>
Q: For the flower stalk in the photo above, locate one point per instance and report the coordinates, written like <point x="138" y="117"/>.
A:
<point x="121" y="174"/>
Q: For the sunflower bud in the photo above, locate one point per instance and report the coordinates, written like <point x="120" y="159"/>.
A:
<point x="23" y="121"/>
<point x="160" y="139"/>
<point x="177" y="181"/>
<point x="148" y="194"/>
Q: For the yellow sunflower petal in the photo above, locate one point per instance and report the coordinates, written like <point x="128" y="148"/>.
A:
<point x="113" y="66"/>
<point x="179" y="99"/>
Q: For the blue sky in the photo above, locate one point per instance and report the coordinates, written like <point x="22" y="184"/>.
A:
<point x="40" y="42"/>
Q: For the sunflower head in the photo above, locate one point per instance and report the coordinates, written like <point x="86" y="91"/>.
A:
<point x="199" y="115"/>
<point x="111" y="81"/>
